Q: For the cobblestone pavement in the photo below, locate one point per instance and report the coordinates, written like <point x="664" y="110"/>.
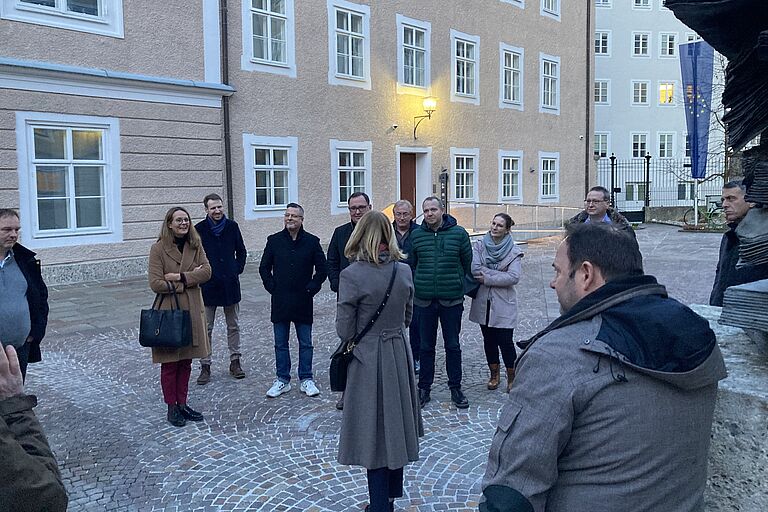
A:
<point x="101" y="405"/>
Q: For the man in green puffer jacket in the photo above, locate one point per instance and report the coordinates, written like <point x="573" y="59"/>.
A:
<point x="441" y="255"/>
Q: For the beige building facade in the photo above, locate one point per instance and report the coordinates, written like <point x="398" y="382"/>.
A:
<point x="109" y="116"/>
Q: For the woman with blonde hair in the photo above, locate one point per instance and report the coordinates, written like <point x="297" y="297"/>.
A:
<point x="177" y="262"/>
<point x="381" y="423"/>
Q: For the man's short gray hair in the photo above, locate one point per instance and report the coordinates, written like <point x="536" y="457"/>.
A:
<point x="403" y="202"/>
<point x="8" y="212"/>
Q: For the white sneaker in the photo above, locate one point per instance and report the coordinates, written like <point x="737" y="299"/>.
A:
<point x="278" y="388"/>
<point x="308" y="387"/>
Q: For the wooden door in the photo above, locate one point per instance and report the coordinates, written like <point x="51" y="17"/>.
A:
<point x="408" y="177"/>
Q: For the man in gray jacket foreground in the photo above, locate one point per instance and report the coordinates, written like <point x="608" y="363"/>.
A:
<point x="612" y="404"/>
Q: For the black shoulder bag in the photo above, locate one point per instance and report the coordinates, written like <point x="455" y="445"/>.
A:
<point x="343" y="355"/>
<point x="165" y="328"/>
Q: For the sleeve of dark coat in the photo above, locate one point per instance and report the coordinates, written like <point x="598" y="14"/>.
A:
<point x="265" y="267"/>
<point x="334" y="262"/>
<point x="31" y="479"/>
<point x="321" y="270"/>
<point x="241" y="254"/>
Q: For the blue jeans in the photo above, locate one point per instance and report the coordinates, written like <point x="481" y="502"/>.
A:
<point x="450" y="322"/>
<point x="283" y="352"/>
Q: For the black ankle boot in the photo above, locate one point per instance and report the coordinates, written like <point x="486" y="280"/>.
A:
<point x="190" y="414"/>
<point x="175" y="417"/>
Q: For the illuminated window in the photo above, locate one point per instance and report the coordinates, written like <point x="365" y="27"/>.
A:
<point x="666" y="93"/>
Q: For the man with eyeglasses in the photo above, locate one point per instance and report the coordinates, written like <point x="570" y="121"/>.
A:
<point x="404" y="226"/>
<point x="293" y="269"/>
<point x="597" y="209"/>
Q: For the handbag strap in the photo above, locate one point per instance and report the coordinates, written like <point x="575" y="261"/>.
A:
<point x="161" y="297"/>
<point x="375" y="316"/>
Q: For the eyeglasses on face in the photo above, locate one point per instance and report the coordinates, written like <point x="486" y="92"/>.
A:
<point x="181" y="221"/>
<point x="293" y="216"/>
<point x="358" y="208"/>
<point x="594" y="201"/>
<point x="402" y="214"/>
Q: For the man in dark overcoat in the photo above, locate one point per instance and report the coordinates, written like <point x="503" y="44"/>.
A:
<point x="224" y="246"/>
<point x="293" y="268"/>
<point x="404" y="225"/>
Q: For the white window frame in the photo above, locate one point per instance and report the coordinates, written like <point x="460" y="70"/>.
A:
<point x="550" y="12"/>
<point x="672" y="146"/>
<point x="515" y="155"/>
<point x="662" y="46"/>
<point x="112" y="231"/>
<point x="472" y="99"/>
<point x="473" y="153"/>
<point x="426" y="27"/>
<point x="516" y="3"/>
<point x="632" y="101"/>
<point x="604" y="4"/>
<point x="250" y="63"/>
<point x="250" y="143"/>
<point x="547" y="109"/>
<point x="607" y="83"/>
<point x="607" y="136"/>
<point x="337" y="206"/>
<point x="675" y="93"/>
<point x="691" y="37"/>
<point x="110" y="23"/>
<point x="608" y="37"/>
<point x="642" y="5"/>
<point x="647" y="54"/>
<point x="549" y="198"/>
<point x="334" y="78"/>
<point x="632" y="144"/>
<point x="504" y="103"/>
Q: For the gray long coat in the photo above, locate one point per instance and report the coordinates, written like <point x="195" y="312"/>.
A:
<point x="381" y="424"/>
<point x="498" y="289"/>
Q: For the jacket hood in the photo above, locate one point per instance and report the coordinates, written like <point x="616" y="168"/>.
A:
<point x="448" y="222"/>
<point x="642" y="327"/>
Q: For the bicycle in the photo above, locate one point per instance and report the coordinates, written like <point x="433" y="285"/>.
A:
<point x="713" y="217"/>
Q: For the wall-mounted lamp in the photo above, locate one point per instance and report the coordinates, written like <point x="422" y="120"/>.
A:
<point x="430" y="105"/>
<point x="532" y="170"/>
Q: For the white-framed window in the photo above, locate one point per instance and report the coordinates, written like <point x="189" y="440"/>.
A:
<point x="641" y="4"/>
<point x="511" y="76"/>
<point x="464" y="165"/>
<point x="603" y="3"/>
<point x="510" y="176"/>
<point x="465" y="60"/>
<point x="687" y="146"/>
<point x="69" y="179"/>
<point x="549" y="68"/>
<point x="271" y="176"/>
<point x="602" y="92"/>
<point x="549" y="177"/>
<point x="103" y="17"/>
<point x="349" y="49"/>
<point x="413" y="56"/>
<point x="551" y="9"/>
<point x="603" y="43"/>
<point x="666" y="144"/>
<point x="691" y="37"/>
<point x="635" y="191"/>
<point x="516" y="3"/>
<point x="668" y="45"/>
<point x="667" y="93"/>
<point x="641" y="44"/>
<point x="350" y="171"/>
<point x="686" y="190"/>
<point x="602" y="144"/>
<point x="640" y="92"/>
<point x="639" y="144"/>
<point x="269" y="41"/>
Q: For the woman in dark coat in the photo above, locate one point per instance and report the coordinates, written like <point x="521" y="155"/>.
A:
<point x="381" y="424"/>
<point x="178" y="259"/>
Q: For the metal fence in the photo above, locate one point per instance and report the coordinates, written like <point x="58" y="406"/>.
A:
<point x="531" y="220"/>
<point x="658" y="181"/>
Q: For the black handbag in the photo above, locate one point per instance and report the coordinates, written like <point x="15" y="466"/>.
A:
<point x="165" y="328"/>
<point x="471" y="285"/>
<point x="343" y="355"/>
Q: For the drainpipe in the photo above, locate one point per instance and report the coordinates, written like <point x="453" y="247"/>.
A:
<point x="589" y="89"/>
<point x="225" y="109"/>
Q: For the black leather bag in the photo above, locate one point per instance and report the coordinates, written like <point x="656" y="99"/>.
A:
<point x="471" y="285"/>
<point x="343" y="355"/>
<point x="165" y="328"/>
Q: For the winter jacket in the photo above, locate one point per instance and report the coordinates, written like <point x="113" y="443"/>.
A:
<point x="611" y="409"/>
<point x="616" y="218"/>
<point x="286" y="269"/>
<point x="164" y="257"/>
<point x="441" y="259"/>
<point x="727" y="274"/>
<point x="336" y="259"/>
<point x="227" y="255"/>
<point x="381" y="424"/>
<point x="37" y="298"/>
<point x="31" y="479"/>
<point x="495" y="304"/>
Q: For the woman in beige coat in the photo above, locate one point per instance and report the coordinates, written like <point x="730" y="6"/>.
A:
<point x="381" y="424"/>
<point x="178" y="258"/>
<point x="496" y="264"/>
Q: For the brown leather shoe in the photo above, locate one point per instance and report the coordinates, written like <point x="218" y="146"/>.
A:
<point x="236" y="370"/>
<point x="205" y="375"/>
<point x="510" y="378"/>
<point x="493" y="382"/>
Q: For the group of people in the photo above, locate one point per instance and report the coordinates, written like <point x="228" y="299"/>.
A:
<point x="612" y="403"/>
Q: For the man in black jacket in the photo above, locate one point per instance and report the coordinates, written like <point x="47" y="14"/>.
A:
<point x="286" y="269"/>
<point x="225" y="249"/>
<point x="358" y="204"/>
<point x="23" y="294"/>
<point x="404" y="226"/>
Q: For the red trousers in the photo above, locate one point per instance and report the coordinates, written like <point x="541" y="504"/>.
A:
<point x="174" y="378"/>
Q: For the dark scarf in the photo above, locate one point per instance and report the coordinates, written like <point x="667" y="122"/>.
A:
<point x="180" y="242"/>
<point x="216" y="229"/>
